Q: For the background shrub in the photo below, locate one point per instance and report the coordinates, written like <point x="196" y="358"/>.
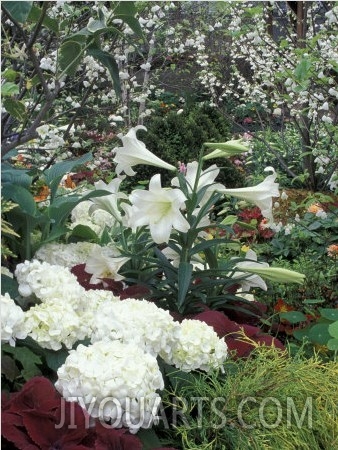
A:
<point x="179" y="137"/>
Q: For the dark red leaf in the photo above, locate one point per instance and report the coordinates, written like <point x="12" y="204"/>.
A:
<point x="37" y="394"/>
<point x="136" y="291"/>
<point x="107" y="284"/>
<point x="219" y="321"/>
<point x="13" y="430"/>
<point x="111" y="285"/>
<point x="108" y="438"/>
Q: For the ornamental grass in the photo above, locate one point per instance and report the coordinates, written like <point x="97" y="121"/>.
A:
<point x="268" y="401"/>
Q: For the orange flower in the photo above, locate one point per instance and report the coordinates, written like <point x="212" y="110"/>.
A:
<point x="69" y="183"/>
<point x="42" y="194"/>
<point x="332" y="250"/>
<point x="314" y="208"/>
<point x="281" y="306"/>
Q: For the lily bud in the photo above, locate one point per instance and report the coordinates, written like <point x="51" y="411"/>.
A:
<point x="277" y="274"/>
<point x="225" y="149"/>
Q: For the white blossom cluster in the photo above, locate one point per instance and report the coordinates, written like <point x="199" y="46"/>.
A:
<point x="12" y="321"/>
<point x="115" y="381"/>
<point x="126" y="338"/>
<point x="196" y="347"/>
<point x="54" y="323"/>
<point x="97" y="220"/>
<point x="65" y="313"/>
<point x="142" y="322"/>
<point x="47" y="281"/>
<point x="303" y="80"/>
<point x="66" y="255"/>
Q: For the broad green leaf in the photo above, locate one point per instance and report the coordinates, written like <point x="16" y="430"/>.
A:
<point x="59" y="169"/>
<point x="8" y="89"/>
<point x="178" y="379"/>
<point x="27" y="359"/>
<point x="21" y="196"/>
<point x="332" y="344"/>
<point x="55" y="359"/>
<point x="84" y="232"/>
<point x="70" y="54"/>
<point x="329" y="313"/>
<point x="184" y="279"/>
<point x="333" y="329"/>
<point x="315" y="225"/>
<point x="293" y="316"/>
<point x="15" y="108"/>
<point x="302" y="70"/>
<point x="301" y="334"/>
<point x="10" y="75"/>
<point x="313" y="301"/>
<point x="48" y="22"/>
<point x="229" y="220"/>
<point x="19" y="177"/>
<point x="149" y="439"/>
<point x="9" y="285"/>
<point x="54" y="234"/>
<point x="18" y="10"/>
<point x="126" y="11"/>
<point x="108" y="61"/>
<point x="96" y="25"/>
<point x="63" y="206"/>
<point x="8" y="368"/>
<point x="319" y="333"/>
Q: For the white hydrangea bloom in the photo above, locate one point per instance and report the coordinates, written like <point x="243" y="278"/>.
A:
<point x="92" y="299"/>
<point x="197" y="347"/>
<point x="139" y="321"/>
<point x="48" y="281"/>
<point x="114" y="381"/>
<point x="66" y="255"/>
<point x="98" y="220"/>
<point x="12" y="321"/>
<point x="55" y="323"/>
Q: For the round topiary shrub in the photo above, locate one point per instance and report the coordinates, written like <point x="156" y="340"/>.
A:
<point x="179" y="137"/>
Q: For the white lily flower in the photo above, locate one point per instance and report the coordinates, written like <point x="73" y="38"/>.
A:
<point x="134" y="152"/>
<point x="104" y="262"/>
<point x="108" y="202"/>
<point x="207" y="177"/>
<point x="250" y="281"/>
<point x="261" y="195"/>
<point x="158" y="208"/>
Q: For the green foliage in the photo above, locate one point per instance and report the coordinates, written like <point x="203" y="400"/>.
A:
<point x="322" y="332"/>
<point x="309" y="232"/>
<point x="179" y="137"/>
<point x="272" y="147"/>
<point x="18" y="364"/>
<point x="266" y="401"/>
<point x="31" y="224"/>
<point x="18" y="10"/>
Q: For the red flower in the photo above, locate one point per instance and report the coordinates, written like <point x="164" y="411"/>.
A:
<point x="281" y="306"/>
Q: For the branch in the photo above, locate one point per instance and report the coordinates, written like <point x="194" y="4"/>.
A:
<point x="50" y="96"/>
<point x="279" y="159"/>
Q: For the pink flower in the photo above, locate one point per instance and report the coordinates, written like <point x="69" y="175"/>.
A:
<point x="248" y="120"/>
